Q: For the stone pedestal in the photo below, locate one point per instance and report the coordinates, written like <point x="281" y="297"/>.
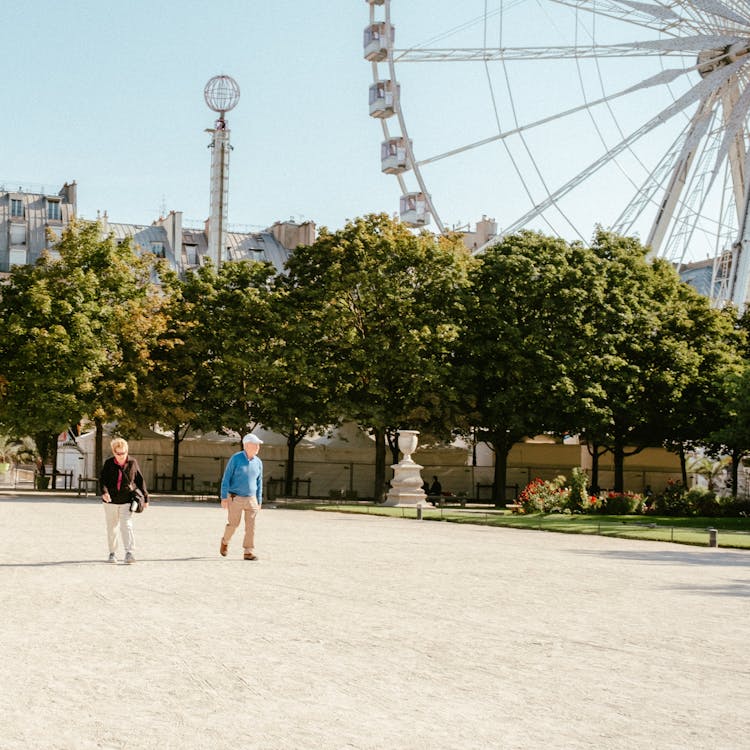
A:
<point x="406" y="486"/>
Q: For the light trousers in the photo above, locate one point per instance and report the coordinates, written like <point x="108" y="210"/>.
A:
<point x="121" y="515"/>
<point x="236" y="507"/>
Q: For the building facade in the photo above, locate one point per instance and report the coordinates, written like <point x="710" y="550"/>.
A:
<point x="33" y="220"/>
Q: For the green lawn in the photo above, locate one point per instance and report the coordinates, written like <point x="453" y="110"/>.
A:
<point x="731" y="532"/>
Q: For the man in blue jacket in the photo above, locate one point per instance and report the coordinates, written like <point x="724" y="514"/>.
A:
<point x="242" y="492"/>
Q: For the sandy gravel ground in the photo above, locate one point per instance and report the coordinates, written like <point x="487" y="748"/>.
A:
<point x="363" y="632"/>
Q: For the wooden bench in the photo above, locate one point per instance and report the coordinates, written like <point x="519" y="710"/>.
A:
<point x="446" y="498"/>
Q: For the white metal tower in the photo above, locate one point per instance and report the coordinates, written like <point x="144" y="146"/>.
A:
<point x="221" y="94"/>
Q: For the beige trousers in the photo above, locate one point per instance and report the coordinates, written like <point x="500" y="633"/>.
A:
<point x="120" y="515"/>
<point x="236" y="506"/>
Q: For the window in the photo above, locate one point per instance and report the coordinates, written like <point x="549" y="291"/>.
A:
<point x="16" y="207"/>
<point x="17" y="256"/>
<point x="17" y="234"/>
<point x="53" y="210"/>
<point x="191" y="251"/>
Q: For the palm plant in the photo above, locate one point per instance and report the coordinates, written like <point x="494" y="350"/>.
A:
<point x="8" y="448"/>
<point x="19" y="451"/>
<point x="710" y="468"/>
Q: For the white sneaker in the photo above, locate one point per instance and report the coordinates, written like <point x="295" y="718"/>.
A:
<point x="129" y="558"/>
<point x="111" y="558"/>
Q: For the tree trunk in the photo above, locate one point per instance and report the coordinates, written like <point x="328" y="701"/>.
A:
<point x="501" y="445"/>
<point x="594" y="450"/>
<point x="618" y="451"/>
<point x="54" y="463"/>
<point x="379" y="488"/>
<point x="44" y="442"/>
<point x="683" y="465"/>
<point x="291" y="443"/>
<point x="175" y="457"/>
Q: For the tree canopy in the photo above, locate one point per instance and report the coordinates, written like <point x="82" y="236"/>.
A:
<point x="383" y="310"/>
<point x="80" y="325"/>
<point x="522" y="340"/>
<point x="381" y="326"/>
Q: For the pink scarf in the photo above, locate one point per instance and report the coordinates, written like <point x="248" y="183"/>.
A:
<point x="120" y="466"/>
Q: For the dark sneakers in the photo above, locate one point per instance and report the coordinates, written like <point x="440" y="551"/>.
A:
<point x="223" y="549"/>
<point x="250" y="556"/>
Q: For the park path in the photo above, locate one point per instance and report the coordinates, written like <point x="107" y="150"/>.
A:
<point x="363" y="632"/>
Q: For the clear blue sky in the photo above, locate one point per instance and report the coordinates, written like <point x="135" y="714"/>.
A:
<point x="111" y="95"/>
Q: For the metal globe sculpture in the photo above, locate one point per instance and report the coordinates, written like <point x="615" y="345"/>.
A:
<point x="222" y="93"/>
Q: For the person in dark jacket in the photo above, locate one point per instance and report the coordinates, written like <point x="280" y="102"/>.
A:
<point x="120" y="475"/>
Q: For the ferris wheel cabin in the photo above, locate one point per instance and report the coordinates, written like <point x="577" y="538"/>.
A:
<point x="383" y="98"/>
<point x="394" y="156"/>
<point x="377" y="37"/>
<point x="414" y="209"/>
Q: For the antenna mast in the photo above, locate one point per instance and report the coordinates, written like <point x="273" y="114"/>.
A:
<point x="221" y="94"/>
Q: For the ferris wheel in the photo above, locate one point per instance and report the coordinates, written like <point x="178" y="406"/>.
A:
<point x="559" y="115"/>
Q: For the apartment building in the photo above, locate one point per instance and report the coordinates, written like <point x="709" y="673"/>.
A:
<point x="32" y="220"/>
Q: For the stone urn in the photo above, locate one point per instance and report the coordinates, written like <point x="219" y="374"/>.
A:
<point x="406" y="485"/>
<point x="407" y="444"/>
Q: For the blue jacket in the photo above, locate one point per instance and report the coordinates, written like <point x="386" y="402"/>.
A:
<point x="243" y="476"/>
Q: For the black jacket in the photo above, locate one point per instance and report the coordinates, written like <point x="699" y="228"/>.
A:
<point x="131" y="473"/>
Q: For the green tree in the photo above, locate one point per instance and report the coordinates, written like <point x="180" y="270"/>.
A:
<point x="383" y="308"/>
<point x="523" y="341"/>
<point x="299" y="398"/>
<point x="733" y="437"/>
<point x="172" y="394"/>
<point x="700" y="410"/>
<point x="127" y="302"/>
<point x="647" y="333"/>
<point x="50" y="351"/>
<point x="232" y="324"/>
<point x="79" y="326"/>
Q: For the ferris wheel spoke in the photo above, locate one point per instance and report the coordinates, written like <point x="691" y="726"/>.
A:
<point x="685" y="46"/>
<point x="692" y="220"/>
<point x="661" y="78"/>
<point x="659" y="12"/>
<point x="485" y="54"/>
<point x="741" y="261"/>
<point x="735" y="128"/>
<point x="689" y="217"/>
<point x="522" y="138"/>
<point x="654" y="182"/>
<point x="662" y="17"/>
<point x="700" y="91"/>
<point x="717" y="8"/>
<point x="695" y="44"/>
<point x="674" y="185"/>
<point x="727" y="144"/>
<point x="658" y="17"/>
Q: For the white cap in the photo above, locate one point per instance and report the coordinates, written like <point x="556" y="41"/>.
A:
<point x="252" y="439"/>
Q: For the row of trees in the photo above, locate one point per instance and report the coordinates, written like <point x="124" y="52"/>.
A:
<point x="382" y="327"/>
